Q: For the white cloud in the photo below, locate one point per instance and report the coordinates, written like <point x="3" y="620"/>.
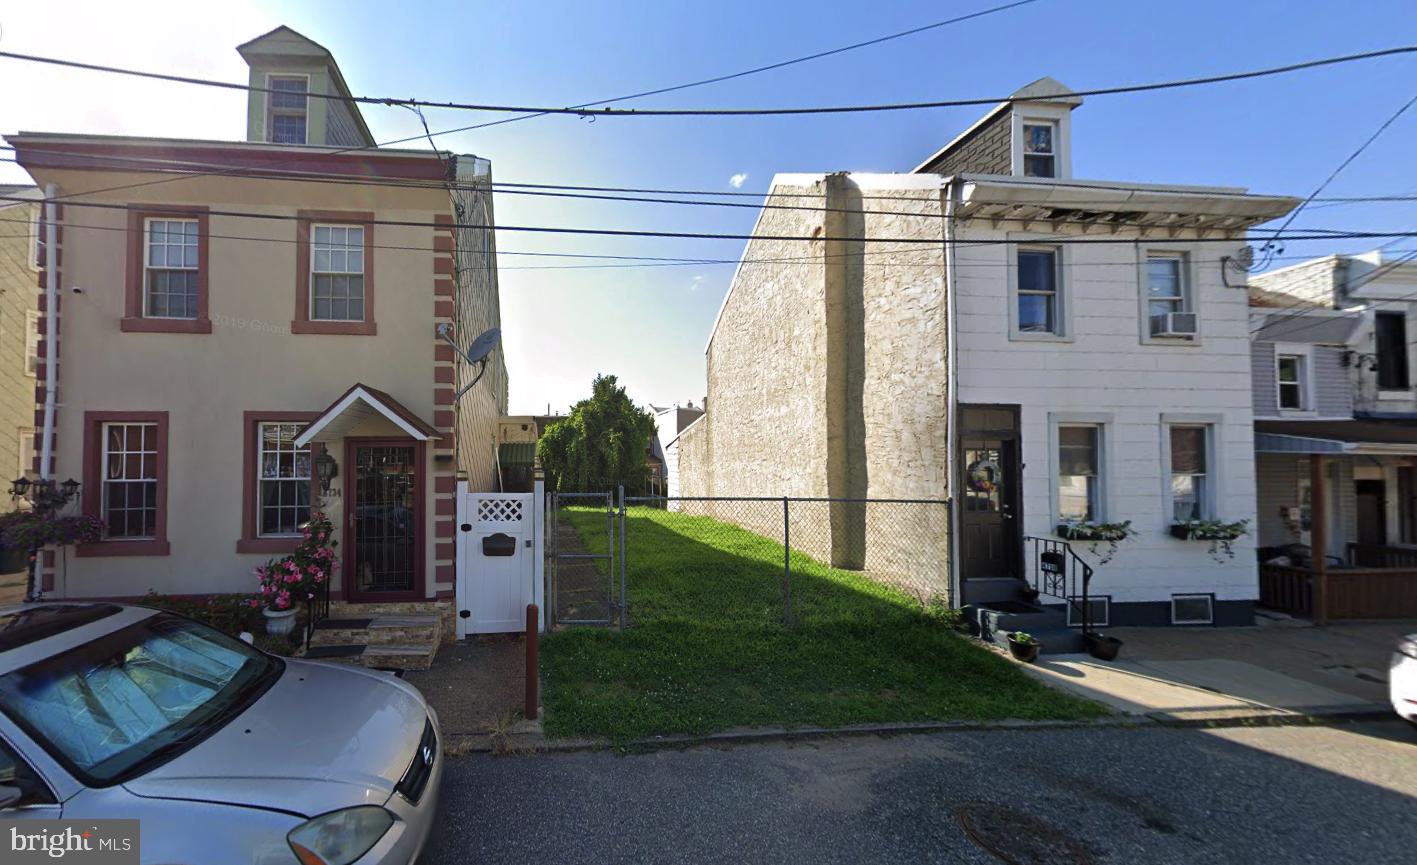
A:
<point x="736" y="181"/>
<point x="696" y="283"/>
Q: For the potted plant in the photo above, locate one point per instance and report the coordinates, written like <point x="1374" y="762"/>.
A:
<point x="1101" y="646"/>
<point x="24" y="533"/>
<point x="1024" y="647"/>
<point x="297" y="577"/>
<point x="1222" y="535"/>
<point x="1096" y="533"/>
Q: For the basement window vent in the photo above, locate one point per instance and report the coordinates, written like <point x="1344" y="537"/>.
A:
<point x="1193" y="609"/>
<point x="1101" y="607"/>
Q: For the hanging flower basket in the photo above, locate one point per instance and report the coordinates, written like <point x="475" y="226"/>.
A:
<point x="1095" y="533"/>
<point x="1221" y="535"/>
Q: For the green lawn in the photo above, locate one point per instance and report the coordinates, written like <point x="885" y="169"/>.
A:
<point x="707" y="649"/>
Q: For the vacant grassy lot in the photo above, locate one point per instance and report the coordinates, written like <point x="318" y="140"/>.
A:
<point x="707" y="649"/>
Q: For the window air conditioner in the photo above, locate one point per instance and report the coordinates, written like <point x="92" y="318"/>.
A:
<point x="1174" y="324"/>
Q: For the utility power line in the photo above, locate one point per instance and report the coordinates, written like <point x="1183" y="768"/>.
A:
<point x="703" y="235"/>
<point x="1348" y="285"/>
<point x="726" y="112"/>
<point x="754" y="71"/>
<point x="632" y="261"/>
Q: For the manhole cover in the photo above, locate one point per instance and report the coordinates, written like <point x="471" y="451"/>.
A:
<point x="1019" y="838"/>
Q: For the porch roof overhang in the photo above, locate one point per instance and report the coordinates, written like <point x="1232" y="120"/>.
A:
<point x="1114" y="206"/>
<point x="359" y="404"/>
<point x="1356" y="437"/>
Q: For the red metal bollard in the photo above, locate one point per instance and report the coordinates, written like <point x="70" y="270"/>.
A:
<point x="533" y="662"/>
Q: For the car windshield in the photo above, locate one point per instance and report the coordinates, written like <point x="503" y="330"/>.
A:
<point x="130" y="700"/>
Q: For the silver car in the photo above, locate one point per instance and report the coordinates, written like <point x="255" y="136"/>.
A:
<point x="225" y="754"/>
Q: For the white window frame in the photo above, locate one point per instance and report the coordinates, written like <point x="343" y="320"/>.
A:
<point x="363" y="276"/>
<point x="149" y="267"/>
<point x="1062" y="312"/>
<point x="1037" y="115"/>
<point x="272" y="111"/>
<point x="32" y="340"/>
<point x="1305" y="353"/>
<point x="1189" y="294"/>
<point x="1191" y="596"/>
<point x="261" y="477"/>
<point x="156" y="453"/>
<point x="36" y="226"/>
<point x="1210" y="501"/>
<point x="26" y="452"/>
<point x="1103" y="423"/>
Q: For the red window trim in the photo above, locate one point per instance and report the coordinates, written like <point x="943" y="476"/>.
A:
<point x="302" y="322"/>
<point x="134" y="320"/>
<point x="251" y="540"/>
<point x="93" y="483"/>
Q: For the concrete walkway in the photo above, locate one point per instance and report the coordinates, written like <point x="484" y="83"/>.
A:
<point x="477" y="687"/>
<point x="1227" y="673"/>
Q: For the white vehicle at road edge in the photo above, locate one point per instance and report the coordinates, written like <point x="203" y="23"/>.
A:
<point x="1402" y="678"/>
<point x="224" y="754"/>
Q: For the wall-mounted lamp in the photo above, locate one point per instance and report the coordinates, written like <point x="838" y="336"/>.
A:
<point x="325" y="469"/>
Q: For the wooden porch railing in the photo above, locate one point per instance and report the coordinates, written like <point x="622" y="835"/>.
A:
<point x="1381" y="556"/>
<point x="1352" y="593"/>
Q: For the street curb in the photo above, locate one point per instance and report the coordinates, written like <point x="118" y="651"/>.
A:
<point x="523" y="744"/>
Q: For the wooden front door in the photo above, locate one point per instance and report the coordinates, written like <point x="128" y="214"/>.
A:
<point x="383" y="551"/>
<point x="990" y="522"/>
<point x="1372" y="512"/>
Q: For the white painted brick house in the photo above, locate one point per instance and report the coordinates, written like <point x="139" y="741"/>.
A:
<point x="1060" y="348"/>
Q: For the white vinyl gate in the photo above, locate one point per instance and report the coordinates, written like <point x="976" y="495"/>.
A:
<point x="499" y="554"/>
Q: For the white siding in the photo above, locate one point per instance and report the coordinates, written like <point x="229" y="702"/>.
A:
<point x="1105" y="369"/>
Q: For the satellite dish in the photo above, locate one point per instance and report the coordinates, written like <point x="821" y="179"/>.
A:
<point x="483" y="345"/>
<point x="476" y="354"/>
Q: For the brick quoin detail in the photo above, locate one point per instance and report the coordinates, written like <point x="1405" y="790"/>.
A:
<point x="446" y="529"/>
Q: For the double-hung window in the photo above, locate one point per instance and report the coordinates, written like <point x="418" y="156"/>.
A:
<point x="284" y="478"/>
<point x="1168" y="306"/>
<point x="1190" y="473"/>
<point x="1039" y="149"/>
<point x="288" y="108"/>
<point x="1390" y="331"/>
<point x="130" y="480"/>
<point x="32" y="342"/>
<point x="337" y="273"/>
<point x="170" y="269"/>
<point x="1038" y="303"/>
<point x="1291" y="370"/>
<point x="1079" y="472"/>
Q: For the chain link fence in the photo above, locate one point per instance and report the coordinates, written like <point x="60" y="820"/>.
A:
<point x="751" y="560"/>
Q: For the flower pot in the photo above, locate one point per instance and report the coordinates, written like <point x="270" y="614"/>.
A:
<point x="1103" y="648"/>
<point x="1182" y="533"/>
<point x="279" y="621"/>
<point x="1029" y="594"/>
<point x="1026" y="652"/>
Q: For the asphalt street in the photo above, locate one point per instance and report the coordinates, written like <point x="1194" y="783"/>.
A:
<point x="1035" y="797"/>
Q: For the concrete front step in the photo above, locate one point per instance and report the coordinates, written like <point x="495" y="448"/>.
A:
<point x="378" y="630"/>
<point x="387" y="656"/>
<point x="994" y="622"/>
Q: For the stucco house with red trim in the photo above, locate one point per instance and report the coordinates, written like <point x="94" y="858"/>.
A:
<point x="231" y="315"/>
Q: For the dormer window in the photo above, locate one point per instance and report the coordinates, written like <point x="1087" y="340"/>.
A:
<point x="288" y="108"/>
<point x="1040" y="155"/>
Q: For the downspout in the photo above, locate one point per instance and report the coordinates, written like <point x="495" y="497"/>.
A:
<point x="951" y="396"/>
<point x="51" y="346"/>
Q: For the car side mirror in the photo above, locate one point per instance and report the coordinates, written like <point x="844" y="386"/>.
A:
<point x="10" y="796"/>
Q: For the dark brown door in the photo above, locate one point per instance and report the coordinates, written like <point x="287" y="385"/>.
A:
<point x="1372" y="512"/>
<point x="989" y="536"/>
<point x="384" y="521"/>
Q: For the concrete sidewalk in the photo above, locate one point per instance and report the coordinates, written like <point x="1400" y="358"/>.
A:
<point x="1228" y="673"/>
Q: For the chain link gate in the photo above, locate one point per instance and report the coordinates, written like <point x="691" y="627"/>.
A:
<point x="585" y="577"/>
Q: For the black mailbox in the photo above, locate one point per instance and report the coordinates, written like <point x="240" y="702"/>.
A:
<point x="1051" y="562"/>
<point x="499" y="545"/>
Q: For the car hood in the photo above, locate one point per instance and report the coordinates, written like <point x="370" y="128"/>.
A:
<point x="325" y="736"/>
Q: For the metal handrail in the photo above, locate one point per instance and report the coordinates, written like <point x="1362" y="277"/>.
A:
<point x="317" y="609"/>
<point x="1055" y="571"/>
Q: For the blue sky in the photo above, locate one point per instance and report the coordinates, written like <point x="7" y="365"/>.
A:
<point x="649" y="325"/>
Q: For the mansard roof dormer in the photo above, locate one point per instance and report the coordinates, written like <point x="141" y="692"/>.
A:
<point x="290" y="74"/>
<point x="1027" y="135"/>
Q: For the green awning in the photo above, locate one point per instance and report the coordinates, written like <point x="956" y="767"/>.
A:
<point x="510" y="454"/>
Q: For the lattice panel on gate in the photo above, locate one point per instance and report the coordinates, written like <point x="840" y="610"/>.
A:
<point x="500" y="511"/>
